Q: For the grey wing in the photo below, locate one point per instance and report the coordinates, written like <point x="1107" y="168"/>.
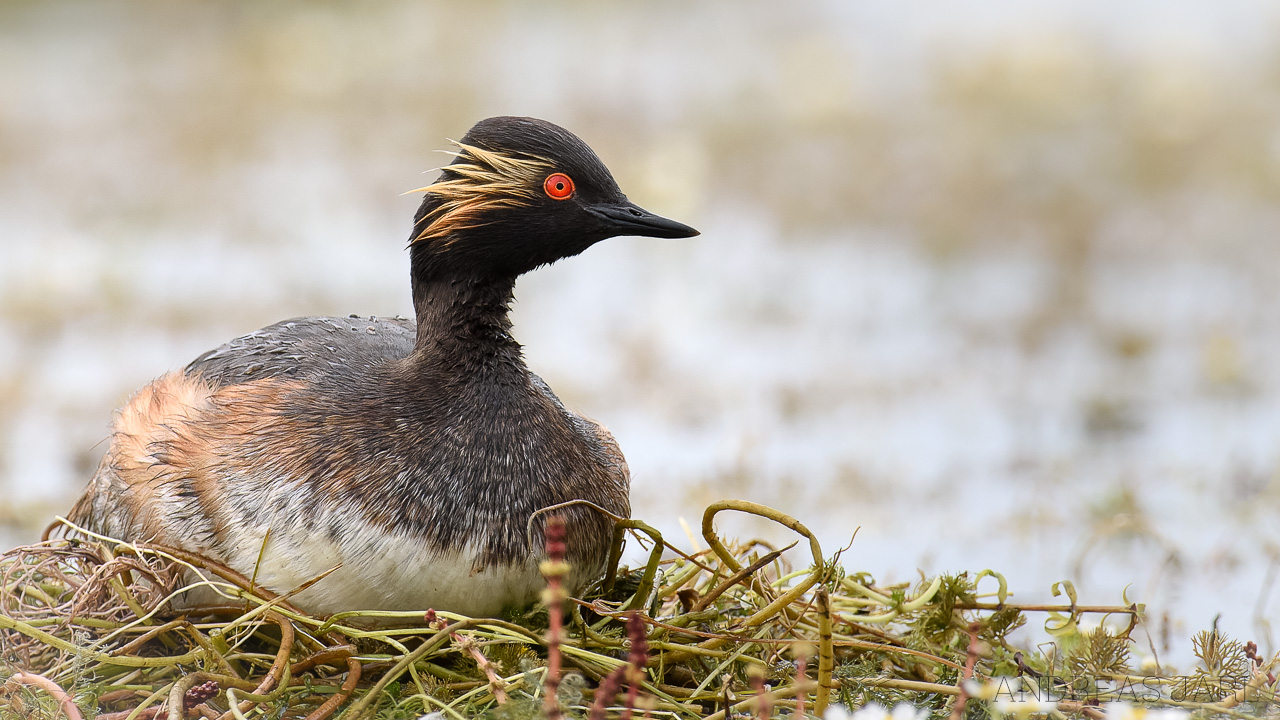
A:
<point x="304" y="347"/>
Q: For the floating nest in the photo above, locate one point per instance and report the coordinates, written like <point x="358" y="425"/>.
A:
<point x="730" y="630"/>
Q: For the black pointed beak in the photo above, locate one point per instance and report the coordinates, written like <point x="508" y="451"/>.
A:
<point x="627" y="218"/>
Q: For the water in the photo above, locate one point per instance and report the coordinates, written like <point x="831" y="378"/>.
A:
<point x="997" y="290"/>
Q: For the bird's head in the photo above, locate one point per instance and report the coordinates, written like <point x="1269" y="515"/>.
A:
<point x="522" y="193"/>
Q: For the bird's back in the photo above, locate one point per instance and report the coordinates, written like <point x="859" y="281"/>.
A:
<point x="307" y="347"/>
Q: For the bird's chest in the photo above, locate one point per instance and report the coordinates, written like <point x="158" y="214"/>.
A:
<point x="474" y="448"/>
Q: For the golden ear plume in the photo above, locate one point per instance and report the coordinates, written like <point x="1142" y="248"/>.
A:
<point x="482" y="181"/>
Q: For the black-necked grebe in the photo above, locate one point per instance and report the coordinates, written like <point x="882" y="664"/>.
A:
<point x="412" y="454"/>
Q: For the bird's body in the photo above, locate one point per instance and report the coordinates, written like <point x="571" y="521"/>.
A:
<point x="412" y="455"/>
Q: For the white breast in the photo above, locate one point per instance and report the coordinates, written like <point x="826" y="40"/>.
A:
<point x="379" y="570"/>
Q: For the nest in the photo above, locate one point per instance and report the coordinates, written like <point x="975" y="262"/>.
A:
<point x="87" y="629"/>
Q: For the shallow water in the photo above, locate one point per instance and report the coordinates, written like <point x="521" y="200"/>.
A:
<point x="999" y="292"/>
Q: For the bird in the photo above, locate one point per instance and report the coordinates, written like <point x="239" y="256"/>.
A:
<point x="413" y="456"/>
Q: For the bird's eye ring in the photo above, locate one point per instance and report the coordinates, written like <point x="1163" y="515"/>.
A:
<point x="558" y="186"/>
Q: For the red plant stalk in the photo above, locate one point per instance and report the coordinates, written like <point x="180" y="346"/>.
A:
<point x="496" y="686"/>
<point x="957" y="710"/>
<point x="802" y="677"/>
<point x="554" y="569"/>
<point x="606" y="692"/>
<point x="637" y="659"/>
<point x="763" y="707"/>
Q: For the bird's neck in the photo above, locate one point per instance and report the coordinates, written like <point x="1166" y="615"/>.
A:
<point x="463" y="323"/>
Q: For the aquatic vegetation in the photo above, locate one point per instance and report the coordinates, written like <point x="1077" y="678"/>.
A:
<point x="730" y="629"/>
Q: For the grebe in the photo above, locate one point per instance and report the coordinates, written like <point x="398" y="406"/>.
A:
<point x="411" y="454"/>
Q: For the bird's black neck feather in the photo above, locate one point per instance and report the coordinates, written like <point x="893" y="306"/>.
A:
<point x="463" y="322"/>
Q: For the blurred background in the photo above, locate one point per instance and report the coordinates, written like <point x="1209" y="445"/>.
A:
<point x="999" y="286"/>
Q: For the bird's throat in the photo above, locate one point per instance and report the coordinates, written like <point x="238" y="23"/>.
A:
<point x="464" y="322"/>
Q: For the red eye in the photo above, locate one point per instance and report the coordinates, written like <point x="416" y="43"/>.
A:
<point x="558" y="186"/>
